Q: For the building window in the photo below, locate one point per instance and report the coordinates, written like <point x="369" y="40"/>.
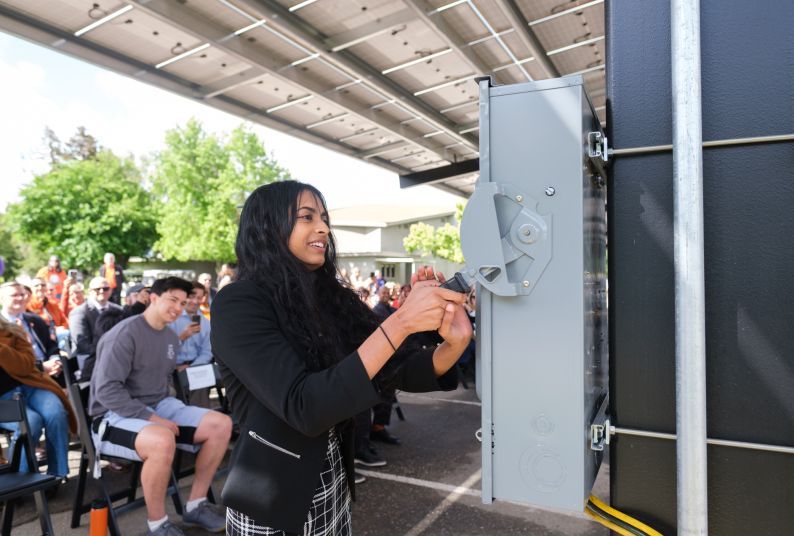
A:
<point x="388" y="271"/>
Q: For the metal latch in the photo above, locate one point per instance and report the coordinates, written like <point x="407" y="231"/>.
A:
<point x="597" y="146"/>
<point x="599" y="435"/>
<point x="599" y="429"/>
<point x="598" y="153"/>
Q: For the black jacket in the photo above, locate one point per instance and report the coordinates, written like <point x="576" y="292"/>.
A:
<point x="291" y="408"/>
<point x="43" y="337"/>
<point x="82" y="324"/>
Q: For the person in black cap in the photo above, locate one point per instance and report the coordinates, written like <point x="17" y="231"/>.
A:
<point x="137" y="300"/>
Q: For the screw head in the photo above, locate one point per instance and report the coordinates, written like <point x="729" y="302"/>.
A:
<point x="525" y="283"/>
<point x="519" y="198"/>
<point x="550" y="191"/>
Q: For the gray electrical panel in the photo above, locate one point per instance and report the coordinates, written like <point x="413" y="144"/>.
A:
<point x="534" y="238"/>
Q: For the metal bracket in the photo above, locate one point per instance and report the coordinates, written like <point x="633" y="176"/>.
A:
<point x="598" y="154"/>
<point x="600" y="427"/>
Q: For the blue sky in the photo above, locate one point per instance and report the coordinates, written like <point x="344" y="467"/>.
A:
<point x="41" y="88"/>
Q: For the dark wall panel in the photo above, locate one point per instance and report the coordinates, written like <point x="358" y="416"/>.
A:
<point x="748" y="90"/>
<point x="747" y="59"/>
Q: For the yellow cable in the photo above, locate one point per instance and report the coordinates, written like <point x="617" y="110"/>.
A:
<point x="608" y="524"/>
<point x="625" y="518"/>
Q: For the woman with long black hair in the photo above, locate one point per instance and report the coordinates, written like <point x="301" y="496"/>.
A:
<point x="301" y="355"/>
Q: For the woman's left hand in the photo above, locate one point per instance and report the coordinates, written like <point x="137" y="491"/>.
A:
<point x="455" y="327"/>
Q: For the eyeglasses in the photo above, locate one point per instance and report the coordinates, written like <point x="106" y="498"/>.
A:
<point x="101" y="289"/>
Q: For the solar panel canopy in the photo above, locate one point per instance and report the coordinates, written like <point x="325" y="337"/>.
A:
<point x="391" y="82"/>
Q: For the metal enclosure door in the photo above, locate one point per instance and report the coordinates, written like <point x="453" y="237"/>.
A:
<point x="542" y="323"/>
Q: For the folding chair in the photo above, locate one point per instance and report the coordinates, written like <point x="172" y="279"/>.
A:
<point x="68" y="369"/>
<point x="78" y="395"/>
<point x="200" y="377"/>
<point x="15" y="483"/>
<point x="186" y="381"/>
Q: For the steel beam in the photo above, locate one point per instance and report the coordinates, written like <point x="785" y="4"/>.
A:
<point x="233" y="82"/>
<point x="293" y="26"/>
<point x="438" y="174"/>
<point x="447" y="34"/>
<point x="528" y="37"/>
<point x="368" y="31"/>
<point x="196" y="24"/>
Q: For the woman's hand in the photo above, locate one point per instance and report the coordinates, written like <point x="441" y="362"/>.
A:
<point x="455" y="326"/>
<point x="425" y="307"/>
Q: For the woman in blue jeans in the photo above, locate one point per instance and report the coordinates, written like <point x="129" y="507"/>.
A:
<point x="47" y="407"/>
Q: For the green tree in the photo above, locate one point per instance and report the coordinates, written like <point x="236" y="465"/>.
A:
<point x="10" y="251"/>
<point x="81" y="146"/>
<point x="442" y="242"/>
<point x="83" y="208"/>
<point x="203" y="181"/>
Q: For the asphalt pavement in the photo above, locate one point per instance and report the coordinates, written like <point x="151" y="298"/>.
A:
<point x="430" y="485"/>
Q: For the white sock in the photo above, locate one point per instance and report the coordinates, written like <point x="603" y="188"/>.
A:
<point x="192" y="505"/>
<point x="154" y="525"/>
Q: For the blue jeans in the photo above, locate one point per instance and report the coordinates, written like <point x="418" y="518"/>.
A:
<point x="45" y="412"/>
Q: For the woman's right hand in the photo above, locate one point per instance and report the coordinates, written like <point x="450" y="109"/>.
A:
<point x="424" y="308"/>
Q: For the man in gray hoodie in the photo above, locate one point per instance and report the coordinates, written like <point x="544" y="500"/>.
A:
<point x="135" y="418"/>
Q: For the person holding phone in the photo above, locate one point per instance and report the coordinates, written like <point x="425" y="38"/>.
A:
<point x="194" y="332"/>
<point x="300" y="355"/>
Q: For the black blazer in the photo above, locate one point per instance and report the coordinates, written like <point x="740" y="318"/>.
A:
<point x="82" y="320"/>
<point x="292" y="408"/>
<point x="43" y="337"/>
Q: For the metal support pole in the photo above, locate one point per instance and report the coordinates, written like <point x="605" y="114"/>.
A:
<point x="690" y="321"/>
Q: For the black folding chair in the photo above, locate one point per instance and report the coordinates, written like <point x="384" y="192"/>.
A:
<point x="68" y="369"/>
<point x="78" y="395"/>
<point x="187" y="380"/>
<point x="184" y="383"/>
<point x="14" y="483"/>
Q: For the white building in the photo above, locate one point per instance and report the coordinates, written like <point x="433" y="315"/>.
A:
<point x="371" y="238"/>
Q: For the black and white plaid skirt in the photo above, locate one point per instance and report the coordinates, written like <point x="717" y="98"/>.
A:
<point x="329" y="514"/>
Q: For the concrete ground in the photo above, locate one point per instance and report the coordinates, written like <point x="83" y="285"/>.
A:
<point x="430" y="485"/>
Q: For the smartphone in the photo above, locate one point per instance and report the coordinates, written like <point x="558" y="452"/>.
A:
<point x="196" y="319"/>
<point x="72" y="273"/>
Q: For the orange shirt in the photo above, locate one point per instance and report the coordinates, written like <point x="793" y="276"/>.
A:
<point x="51" y="276"/>
<point x="110" y="275"/>
<point x="48" y="311"/>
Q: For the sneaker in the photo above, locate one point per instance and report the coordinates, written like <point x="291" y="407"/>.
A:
<point x="166" y="529"/>
<point x="369" y="458"/>
<point x="205" y="517"/>
<point x="358" y="478"/>
<point x="384" y="436"/>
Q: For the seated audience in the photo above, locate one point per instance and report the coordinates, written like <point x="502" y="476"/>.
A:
<point x="137" y="300"/>
<point x="73" y="296"/>
<point x="82" y="321"/>
<point x="13" y="300"/>
<point x="45" y="306"/>
<point x="47" y="407"/>
<point x="195" y="339"/>
<point x="138" y="420"/>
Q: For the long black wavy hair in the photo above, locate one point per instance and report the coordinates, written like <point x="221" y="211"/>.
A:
<point x="326" y="318"/>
